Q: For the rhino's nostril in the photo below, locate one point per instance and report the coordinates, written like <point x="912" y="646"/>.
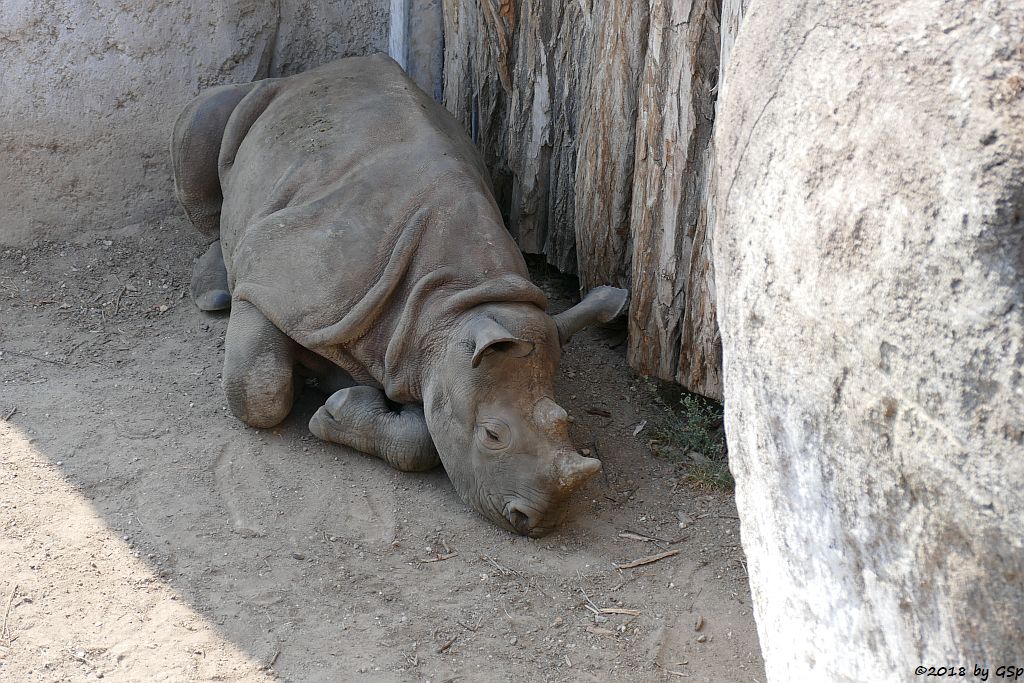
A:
<point x="520" y="520"/>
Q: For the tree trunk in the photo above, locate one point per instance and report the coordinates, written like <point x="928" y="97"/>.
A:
<point x="607" y="144"/>
<point x="669" y="217"/>
<point x="700" y="356"/>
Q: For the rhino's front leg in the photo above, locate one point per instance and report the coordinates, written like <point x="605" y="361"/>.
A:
<point x="360" y="417"/>
<point x="258" y="364"/>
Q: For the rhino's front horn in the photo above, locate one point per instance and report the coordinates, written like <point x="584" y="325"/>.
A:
<point x="574" y="470"/>
<point x="601" y="305"/>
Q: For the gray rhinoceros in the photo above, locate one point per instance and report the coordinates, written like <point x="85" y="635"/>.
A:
<point x="359" y="241"/>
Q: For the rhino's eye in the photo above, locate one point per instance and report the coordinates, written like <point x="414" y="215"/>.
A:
<point x="493" y="434"/>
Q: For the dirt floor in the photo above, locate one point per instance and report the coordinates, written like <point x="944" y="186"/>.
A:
<point x="147" y="535"/>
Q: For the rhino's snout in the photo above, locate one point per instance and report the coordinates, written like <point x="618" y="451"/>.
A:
<point x="531" y="519"/>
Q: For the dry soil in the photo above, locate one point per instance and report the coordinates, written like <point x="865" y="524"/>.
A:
<point x="148" y="535"/>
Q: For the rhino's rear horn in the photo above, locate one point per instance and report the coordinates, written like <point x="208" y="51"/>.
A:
<point x="490" y="337"/>
<point x="601" y="305"/>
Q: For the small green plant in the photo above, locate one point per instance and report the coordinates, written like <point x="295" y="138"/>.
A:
<point x="692" y="434"/>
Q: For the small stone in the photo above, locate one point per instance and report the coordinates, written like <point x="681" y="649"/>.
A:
<point x="699" y="624"/>
<point x="298" y="556"/>
<point x="585" y="451"/>
<point x="513" y="640"/>
<point x="702" y="638"/>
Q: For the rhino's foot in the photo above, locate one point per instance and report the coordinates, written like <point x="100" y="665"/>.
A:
<point x="360" y="418"/>
<point x="210" y="280"/>
<point x="217" y="300"/>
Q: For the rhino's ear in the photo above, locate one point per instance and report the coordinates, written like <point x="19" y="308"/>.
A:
<point x="490" y="337"/>
<point x="603" y="304"/>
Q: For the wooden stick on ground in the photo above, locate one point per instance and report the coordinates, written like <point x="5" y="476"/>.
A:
<point x="444" y="648"/>
<point x="649" y="559"/>
<point x="7" y="613"/>
<point x="439" y="557"/>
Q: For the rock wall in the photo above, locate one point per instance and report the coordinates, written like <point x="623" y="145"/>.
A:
<point x="870" y="270"/>
<point x="90" y="91"/>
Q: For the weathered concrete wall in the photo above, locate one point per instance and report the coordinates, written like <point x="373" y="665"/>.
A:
<point x="870" y="276"/>
<point x="89" y="92"/>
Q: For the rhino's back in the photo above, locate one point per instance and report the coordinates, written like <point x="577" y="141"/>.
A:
<point x="350" y="187"/>
<point x="359" y="114"/>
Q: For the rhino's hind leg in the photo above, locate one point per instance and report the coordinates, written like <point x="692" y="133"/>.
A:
<point x="360" y="417"/>
<point x="258" y="367"/>
<point x="210" y="280"/>
<point x="195" y="150"/>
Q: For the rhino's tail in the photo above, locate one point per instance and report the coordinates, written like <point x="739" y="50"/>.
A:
<point x="195" y="148"/>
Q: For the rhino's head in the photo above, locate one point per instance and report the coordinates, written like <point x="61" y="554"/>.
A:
<point x="503" y="439"/>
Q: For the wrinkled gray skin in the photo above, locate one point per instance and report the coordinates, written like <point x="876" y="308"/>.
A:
<point x="359" y="243"/>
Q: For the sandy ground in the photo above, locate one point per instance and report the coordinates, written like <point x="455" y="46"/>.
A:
<point x="147" y="535"/>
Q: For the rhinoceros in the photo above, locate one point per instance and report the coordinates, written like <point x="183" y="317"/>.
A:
<point x="357" y="240"/>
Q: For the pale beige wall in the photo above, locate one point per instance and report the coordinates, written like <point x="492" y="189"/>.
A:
<point x="89" y="92"/>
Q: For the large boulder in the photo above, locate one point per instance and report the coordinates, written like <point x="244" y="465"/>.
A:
<point x="870" y="266"/>
<point x="90" y="91"/>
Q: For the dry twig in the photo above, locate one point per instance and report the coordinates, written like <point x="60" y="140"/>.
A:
<point x="444" y="648"/>
<point x="439" y="557"/>
<point x="598" y="631"/>
<point x="7" y="614"/>
<point x="505" y="571"/>
<point x="649" y="559"/>
<point x="634" y="536"/>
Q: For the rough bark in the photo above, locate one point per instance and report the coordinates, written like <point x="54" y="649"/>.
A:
<point x="670" y="189"/>
<point x="700" y="348"/>
<point x="607" y="141"/>
<point x="478" y="81"/>
<point x="700" y="355"/>
<point x="550" y="91"/>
